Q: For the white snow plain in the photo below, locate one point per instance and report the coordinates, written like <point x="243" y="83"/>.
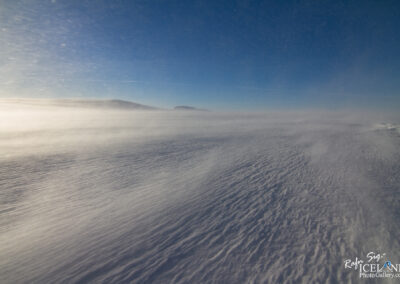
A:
<point x="114" y="196"/>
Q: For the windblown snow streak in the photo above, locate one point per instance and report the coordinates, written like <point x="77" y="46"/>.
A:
<point x="182" y="197"/>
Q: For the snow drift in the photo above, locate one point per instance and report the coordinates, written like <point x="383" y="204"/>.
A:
<point x="95" y="195"/>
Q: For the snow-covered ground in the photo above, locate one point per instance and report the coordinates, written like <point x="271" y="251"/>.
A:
<point x="167" y="197"/>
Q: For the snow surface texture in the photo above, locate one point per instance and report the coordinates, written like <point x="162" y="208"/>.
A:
<point x="188" y="197"/>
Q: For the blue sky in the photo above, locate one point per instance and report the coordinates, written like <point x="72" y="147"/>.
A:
<point x="213" y="54"/>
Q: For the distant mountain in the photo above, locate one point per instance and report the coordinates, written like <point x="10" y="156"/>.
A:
<point x="188" y="108"/>
<point x="107" y="104"/>
<point x="83" y="103"/>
